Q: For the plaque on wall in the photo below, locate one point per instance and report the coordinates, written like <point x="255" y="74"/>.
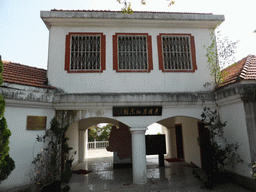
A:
<point x="36" y="122"/>
<point x="138" y="111"/>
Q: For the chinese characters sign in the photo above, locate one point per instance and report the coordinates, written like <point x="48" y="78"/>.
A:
<point x="36" y="122"/>
<point x="137" y="111"/>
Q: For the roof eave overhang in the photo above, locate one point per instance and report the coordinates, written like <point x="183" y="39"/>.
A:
<point x="109" y="19"/>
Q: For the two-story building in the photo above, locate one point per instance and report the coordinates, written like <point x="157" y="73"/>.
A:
<point x="131" y="70"/>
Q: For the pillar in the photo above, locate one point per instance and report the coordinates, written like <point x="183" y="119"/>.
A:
<point x="86" y="143"/>
<point x="81" y="149"/>
<point x="139" y="167"/>
<point x="166" y="131"/>
<point x="173" y="143"/>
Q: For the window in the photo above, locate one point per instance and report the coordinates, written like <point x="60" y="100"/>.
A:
<point x="176" y="53"/>
<point x="132" y="52"/>
<point x="85" y="52"/>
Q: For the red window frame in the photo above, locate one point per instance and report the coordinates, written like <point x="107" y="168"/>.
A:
<point x="160" y="53"/>
<point x="102" y="54"/>
<point x="115" y="53"/>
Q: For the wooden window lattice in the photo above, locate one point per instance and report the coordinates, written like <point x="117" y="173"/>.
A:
<point x="85" y="52"/>
<point x="132" y="52"/>
<point x="176" y="52"/>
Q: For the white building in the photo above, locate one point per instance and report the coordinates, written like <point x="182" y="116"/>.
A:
<point x="131" y="70"/>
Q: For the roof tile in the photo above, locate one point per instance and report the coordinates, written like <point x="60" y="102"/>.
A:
<point x="61" y="10"/>
<point x="245" y="69"/>
<point x="25" y="75"/>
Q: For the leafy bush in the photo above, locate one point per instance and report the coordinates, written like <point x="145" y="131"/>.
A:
<point x="254" y="170"/>
<point x="47" y="164"/>
<point x="222" y="155"/>
<point x="6" y="162"/>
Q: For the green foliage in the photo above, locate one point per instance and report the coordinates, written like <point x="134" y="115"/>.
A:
<point x="47" y="164"/>
<point x="1" y="71"/>
<point x="6" y="167"/>
<point x="219" y="53"/>
<point x="99" y="133"/>
<point x="212" y="60"/>
<point x="4" y="139"/>
<point x="128" y="8"/>
<point x="253" y="170"/>
<point x="6" y="162"/>
<point x="222" y="155"/>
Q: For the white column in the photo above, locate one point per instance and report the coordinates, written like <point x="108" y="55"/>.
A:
<point x="173" y="143"/>
<point x="81" y="149"/>
<point x="168" y="143"/>
<point x="139" y="167"/>
<point x="86" y="143"/>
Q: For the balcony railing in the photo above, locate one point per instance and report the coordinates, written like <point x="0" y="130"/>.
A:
<point x="97" y="144"/>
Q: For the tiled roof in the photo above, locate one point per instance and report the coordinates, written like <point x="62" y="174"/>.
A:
<point x="133" y="11"/>
<point x="244" y="69"/>
<point x="25" y="75"/>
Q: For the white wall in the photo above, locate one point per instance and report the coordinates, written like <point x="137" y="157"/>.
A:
<point x="190" y="135"/>
<point x="23" y="145"/>
<point x="72" y="134"/>
<point x="236" y="130"/>
<point x="110" y="81"/>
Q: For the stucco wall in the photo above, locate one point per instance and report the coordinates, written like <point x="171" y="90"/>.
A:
<point x="72" y="134"/>
<point x="190" y="144"/>
<point x="236" y="131"/>
<point x="23" y="145"/>
<point x="110" y="81"/>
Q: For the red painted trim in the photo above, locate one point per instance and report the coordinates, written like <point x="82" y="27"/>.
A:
<point x="102" y="50"/>
<point x="67" y="55"/>
<point x="115" y="54"/>
<point x="115" y="67"/>
<point x="150" y="60"/>
<point x="160" y="52"/>
<point x="193" y="51"/>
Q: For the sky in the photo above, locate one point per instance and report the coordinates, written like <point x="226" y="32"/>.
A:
<point x="24" y="36"/>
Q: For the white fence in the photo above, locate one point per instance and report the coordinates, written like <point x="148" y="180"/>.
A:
<point x="97" y="144"/>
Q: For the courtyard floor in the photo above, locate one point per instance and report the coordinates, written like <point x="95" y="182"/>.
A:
<point x="175" y="176"/>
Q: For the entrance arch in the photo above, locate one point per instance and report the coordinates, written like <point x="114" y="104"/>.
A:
<point x="101" y="107"/>
<point x="182" y="138"/>
<point x="77" y="135"/>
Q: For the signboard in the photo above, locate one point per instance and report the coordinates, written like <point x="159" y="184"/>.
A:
<point x="36" y="122"/>
<point x="155" y="144"/>
<point x="138" y="111"/>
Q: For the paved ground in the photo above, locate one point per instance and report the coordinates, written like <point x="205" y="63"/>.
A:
<point x="175" y="177"/>
<point x="94" y="153"/>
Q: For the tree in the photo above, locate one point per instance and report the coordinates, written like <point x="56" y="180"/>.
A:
<point x="6" y="162"/>
<point x="105" y="132"/>
<point x="221" y="153"/>
<point x="219" y="53"/>
<point x="93" y="133"/>
<point x="99" y="133"/>
<point x="47" y="165"/>
<point x="128" y="7"/>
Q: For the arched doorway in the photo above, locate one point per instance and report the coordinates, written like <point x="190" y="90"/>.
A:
<point x="182" y="138"/>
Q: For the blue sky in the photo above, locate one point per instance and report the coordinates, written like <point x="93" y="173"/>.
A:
<point x="24" y="37"/>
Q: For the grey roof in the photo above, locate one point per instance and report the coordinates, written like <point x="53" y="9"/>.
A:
<point x="56" y="17"/>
